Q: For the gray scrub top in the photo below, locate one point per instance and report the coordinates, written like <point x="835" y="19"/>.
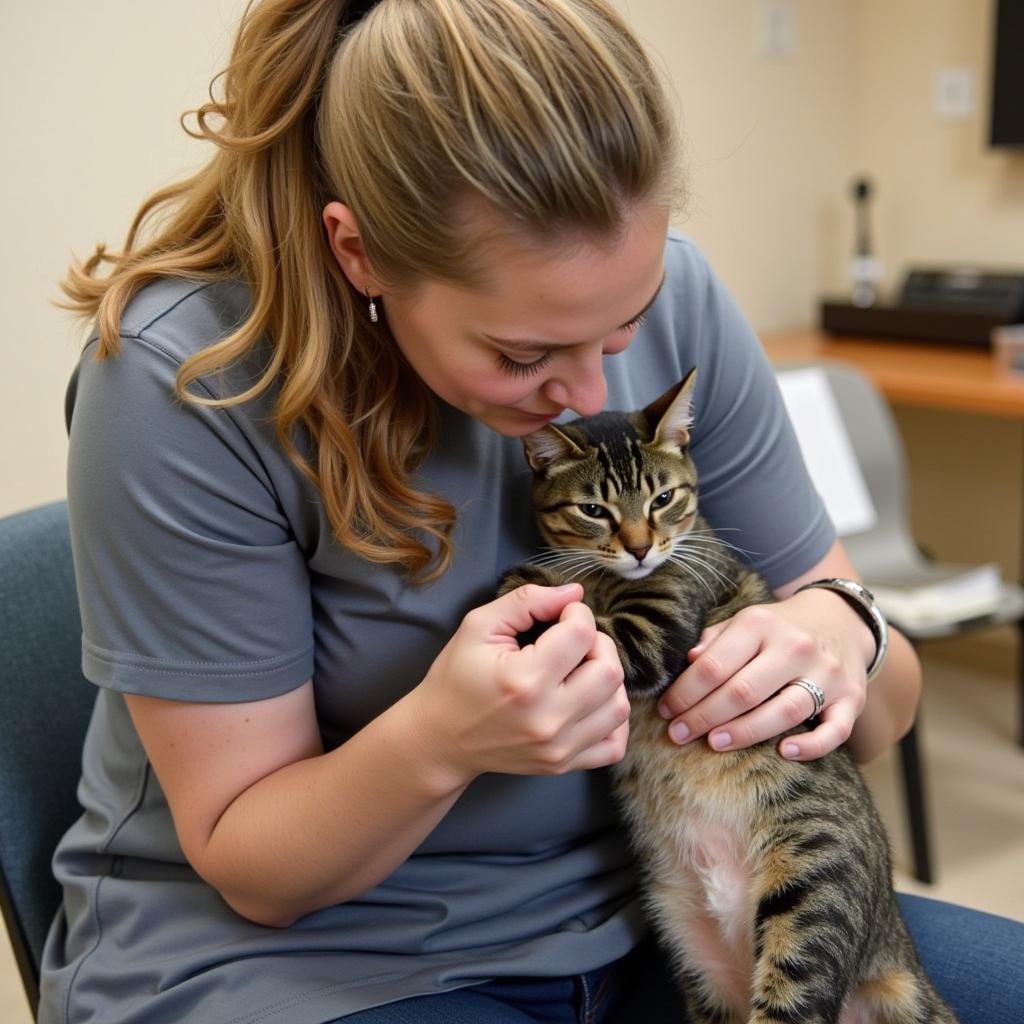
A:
<point x="207" y="572"/>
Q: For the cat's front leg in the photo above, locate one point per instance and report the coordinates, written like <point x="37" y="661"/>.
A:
<point x="652" y="634"/>
<point x="520" y="575"/>
<point x="643" y="671"/>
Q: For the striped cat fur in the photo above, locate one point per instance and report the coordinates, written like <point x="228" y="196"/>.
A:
<point x="769" y="882"/>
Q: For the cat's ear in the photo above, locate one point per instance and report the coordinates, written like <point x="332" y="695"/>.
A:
<point x="549" y="445"/>
<point x="671" y="416"/>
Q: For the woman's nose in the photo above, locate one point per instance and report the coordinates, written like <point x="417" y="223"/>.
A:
<point x="582" y="388"/>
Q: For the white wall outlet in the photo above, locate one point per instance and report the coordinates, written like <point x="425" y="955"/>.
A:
<point x="776" y="28"/>
<point x="954" y="92"/>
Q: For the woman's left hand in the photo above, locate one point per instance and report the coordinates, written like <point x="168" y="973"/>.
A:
<point x="736" y="689"/>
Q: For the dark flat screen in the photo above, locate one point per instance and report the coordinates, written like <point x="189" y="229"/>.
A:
<point x="1008" y="75"/>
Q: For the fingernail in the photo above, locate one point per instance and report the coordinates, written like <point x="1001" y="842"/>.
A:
<point x="564" y="588"/>
<point x="721" y="740"/>
<point x="790" y="750"/>
<point x="678" y="732"/>
<point x="665" y="711"/>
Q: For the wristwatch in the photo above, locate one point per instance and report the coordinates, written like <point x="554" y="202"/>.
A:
<point x="862" y="601"/>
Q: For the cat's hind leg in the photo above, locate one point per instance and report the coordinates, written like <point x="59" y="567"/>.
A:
<point x="897" y="996"/>
<point x="801" y="970"/>
<point x="784" y="993"/>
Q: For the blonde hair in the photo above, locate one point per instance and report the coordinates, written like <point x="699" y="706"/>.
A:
<point x="547" y="110"/>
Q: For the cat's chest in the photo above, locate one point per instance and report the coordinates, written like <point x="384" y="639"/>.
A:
<point x="693" y="782"/>
<point x="706" y="810"/>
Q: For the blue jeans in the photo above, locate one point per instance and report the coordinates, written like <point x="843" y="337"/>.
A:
<point x="975" y="960"/>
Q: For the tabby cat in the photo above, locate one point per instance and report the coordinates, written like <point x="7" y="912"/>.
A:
<point x="768" y="881"/>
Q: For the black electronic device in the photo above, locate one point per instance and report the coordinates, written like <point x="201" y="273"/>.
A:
<point x="936" y="304"/>
<point x="967" y="289"/>
<point x="1007" y="128"/>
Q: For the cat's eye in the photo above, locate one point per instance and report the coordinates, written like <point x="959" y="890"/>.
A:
<point x="594" y="511"/>
<point x="662" y="499"/>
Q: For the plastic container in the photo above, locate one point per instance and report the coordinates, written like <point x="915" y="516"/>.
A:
<point x="1008" y="346"/>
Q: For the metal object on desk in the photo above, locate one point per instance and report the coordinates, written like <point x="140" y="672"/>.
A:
<point x="954" y="304"/>
<point x="865" y="268"/>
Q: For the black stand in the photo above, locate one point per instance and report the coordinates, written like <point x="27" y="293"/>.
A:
<point x="913" y="788"/>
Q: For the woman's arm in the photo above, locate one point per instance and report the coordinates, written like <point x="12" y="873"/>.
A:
<point x="281" y="828"/>
<point x="273" y="823"/>
<point x="735" y="685"/>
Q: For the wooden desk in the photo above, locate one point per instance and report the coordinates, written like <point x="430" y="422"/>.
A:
<point x="955" y="377"/>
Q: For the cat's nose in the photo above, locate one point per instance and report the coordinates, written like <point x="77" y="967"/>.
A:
<point x="639" y="553"/>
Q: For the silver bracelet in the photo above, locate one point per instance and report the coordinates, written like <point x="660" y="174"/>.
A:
<point x="862" y="601"/>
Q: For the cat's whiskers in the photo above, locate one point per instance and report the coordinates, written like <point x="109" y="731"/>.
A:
<point x="690" y="559"/>
<point x="711" y="556"/>
<point x="685" y="564"/>
<point x="556" y="563"/>
<point x="571" y="563"/>
<point x="583" y="572"/>
<point x="713" y="538"/>
<point x="569" y="570"/>
<point x="702" y="559"/>
<point x="550" y="554"/>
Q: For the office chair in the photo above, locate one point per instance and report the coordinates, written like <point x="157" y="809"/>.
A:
<point x="45" y="704"/>
<point x="887" y="557"/>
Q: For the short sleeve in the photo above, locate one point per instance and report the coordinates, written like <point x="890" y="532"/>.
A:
<point x="754" y="487"/>
<point x="190" y="580"/>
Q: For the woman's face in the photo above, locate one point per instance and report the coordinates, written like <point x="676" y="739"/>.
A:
<point x="518" y="351"/>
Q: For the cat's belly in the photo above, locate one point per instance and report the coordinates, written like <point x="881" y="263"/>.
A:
<point x="705" y="909"/>
<point x="690" y="818"/>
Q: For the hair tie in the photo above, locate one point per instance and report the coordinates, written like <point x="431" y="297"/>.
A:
<point x="354" y="12"/>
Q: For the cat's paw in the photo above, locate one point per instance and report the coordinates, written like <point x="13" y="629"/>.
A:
<point x="520" y="575"/>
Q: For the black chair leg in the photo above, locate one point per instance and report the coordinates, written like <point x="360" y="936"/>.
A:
<point x="1020" y="682"/>
<point x="913" y="788"/>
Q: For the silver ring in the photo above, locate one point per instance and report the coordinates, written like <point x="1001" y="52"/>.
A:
<point x="816" y="692"/>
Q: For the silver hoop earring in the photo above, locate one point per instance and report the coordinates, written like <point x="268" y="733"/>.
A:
<point x="374" y="316"/>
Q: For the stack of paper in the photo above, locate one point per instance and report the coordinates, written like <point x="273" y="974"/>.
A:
<point x="965" y="594"/>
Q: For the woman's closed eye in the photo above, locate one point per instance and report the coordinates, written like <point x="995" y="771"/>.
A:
<point x="520" y="369"/>
<point x="517" y="369"/>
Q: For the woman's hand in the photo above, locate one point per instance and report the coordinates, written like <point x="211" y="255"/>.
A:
<point x="554" y="706"/>
<point x="735" y="689"/>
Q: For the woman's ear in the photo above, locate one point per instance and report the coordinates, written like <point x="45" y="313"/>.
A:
<point x="347" y="246"/>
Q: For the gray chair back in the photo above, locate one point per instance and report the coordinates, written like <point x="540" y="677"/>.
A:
<point x="888" y="546"/>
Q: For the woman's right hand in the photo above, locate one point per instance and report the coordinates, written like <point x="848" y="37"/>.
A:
<point x="550" y="707"/>
<point x="282" y="828"/>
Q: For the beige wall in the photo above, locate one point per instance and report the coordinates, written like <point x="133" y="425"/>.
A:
<point x="92" y="94"/>
<point x="770" y="143"/>
<point x="89" y="122"/>
<point x="944" y="196"/>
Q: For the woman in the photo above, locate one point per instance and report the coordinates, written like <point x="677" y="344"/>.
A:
<point x="322" y="780"/>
